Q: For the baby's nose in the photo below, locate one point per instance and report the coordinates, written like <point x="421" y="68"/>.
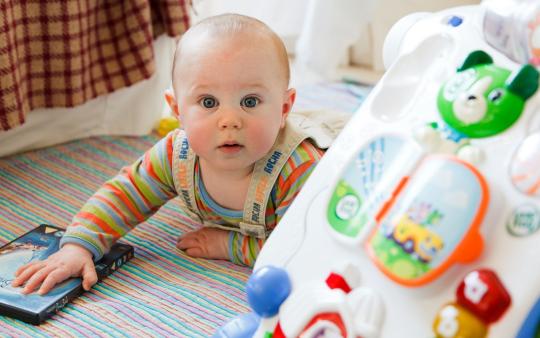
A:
<point x="230" y="118"/>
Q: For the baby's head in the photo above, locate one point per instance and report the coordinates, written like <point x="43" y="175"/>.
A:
<point x="230" y="80"/>
<point x="226" y="29"/>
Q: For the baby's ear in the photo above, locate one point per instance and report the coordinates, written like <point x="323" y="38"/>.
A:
<point x="288" y="101"/>
<point x="169" y="97"/>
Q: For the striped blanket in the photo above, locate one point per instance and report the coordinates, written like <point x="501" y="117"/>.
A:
<point x="161" y="292"/>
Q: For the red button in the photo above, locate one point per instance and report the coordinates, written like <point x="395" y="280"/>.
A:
<point x="484" y="295"/>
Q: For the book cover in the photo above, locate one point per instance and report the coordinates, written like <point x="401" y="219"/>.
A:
<point x="35" y="245"/>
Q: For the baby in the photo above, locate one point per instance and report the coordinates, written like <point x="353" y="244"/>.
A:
<point x="236" y="165"/>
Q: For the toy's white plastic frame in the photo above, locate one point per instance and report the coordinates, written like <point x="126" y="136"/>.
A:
<point x="425" y="52"/>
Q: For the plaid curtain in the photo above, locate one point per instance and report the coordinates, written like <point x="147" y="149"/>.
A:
<point x="62" y="53"/>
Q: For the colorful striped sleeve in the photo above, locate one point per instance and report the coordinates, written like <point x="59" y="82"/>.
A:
<point x="292" y="178"/>
<point x="126" y="200"/>
<point x="245" y="249"/>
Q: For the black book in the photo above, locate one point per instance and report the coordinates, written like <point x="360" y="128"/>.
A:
<point x="39" y="244"/>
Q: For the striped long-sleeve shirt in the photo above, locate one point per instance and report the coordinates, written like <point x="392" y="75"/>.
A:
<point x="139" y="190"/>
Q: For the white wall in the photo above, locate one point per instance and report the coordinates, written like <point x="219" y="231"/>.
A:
<point x="283" y="16"/>
<point x="323" y="34"/>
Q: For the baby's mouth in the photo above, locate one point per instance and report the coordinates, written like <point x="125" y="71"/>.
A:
<point x="230" y="147"/>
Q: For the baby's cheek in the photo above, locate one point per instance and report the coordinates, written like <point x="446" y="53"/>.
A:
<point x="263" y="138"/>
<point x="199" y="139"/>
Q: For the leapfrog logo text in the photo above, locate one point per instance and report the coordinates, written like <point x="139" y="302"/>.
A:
<point x="524" y="221"/>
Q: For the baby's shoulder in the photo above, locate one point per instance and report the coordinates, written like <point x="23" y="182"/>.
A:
<point x="302" y="158"/>
<point x="307" y="151"/>
<point x="298" y="168"/>
<point x="175" y="139"/>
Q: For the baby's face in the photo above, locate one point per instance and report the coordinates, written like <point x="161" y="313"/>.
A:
<point x="232" y="99"/>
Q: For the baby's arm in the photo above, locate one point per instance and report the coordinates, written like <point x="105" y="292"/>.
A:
<point x="70" y="261"/>
<point x="120" y="204"/>
<point x="125" y="201"/>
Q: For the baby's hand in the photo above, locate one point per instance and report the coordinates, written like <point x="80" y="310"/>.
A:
<point x="71" y="261"/>
<point x="205" y="242"/>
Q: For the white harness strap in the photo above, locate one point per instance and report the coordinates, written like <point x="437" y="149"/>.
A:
<point x="264" y="176"/>
<point x="183" y="172"/>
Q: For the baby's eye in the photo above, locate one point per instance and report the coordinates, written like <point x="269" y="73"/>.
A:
<point x="208" y="102"/>
<point x="249" y="102"/>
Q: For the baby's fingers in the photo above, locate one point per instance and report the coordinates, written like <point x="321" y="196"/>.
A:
<point x="25" y="272"/>
<point x="22" y="268"/>
<point x="187" y="241"/>
<point x="37" y="278"/>
<point x="89" y="276"/>
<point x="55" y="277"/>
<point x="196" y="252"/>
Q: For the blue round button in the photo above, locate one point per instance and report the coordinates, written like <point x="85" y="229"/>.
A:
<point x="242" y="326"/>
<point x="267" y="288"/>
<point x="454" y="21"/>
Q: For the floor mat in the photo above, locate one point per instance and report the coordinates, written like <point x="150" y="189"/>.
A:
<point x="161" y="292"/>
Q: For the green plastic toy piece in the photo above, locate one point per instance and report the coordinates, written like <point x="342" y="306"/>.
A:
<point x="482" y="99"/>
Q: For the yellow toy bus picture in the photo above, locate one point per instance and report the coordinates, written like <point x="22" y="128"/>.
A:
<point x="415" y="238"/>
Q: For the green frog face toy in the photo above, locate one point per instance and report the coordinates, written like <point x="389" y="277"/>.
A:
<point x="482" y="99"/>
